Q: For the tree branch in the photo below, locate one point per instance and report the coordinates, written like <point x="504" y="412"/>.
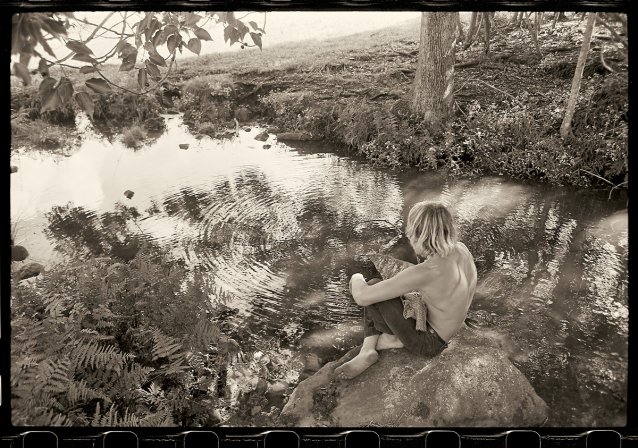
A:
<point x="614" y="33"/>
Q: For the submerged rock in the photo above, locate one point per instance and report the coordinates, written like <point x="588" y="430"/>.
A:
<point x="294" y="136"/>
<point x="30" y="270"/>
<point x="19" y="253"/>
<point x="262" y="136"/>
<point x="471" y="383"/>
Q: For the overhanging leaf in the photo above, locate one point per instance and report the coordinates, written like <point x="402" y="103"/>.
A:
<point x="43" y="67"/>
<point x="85" y="102"/>
<point x="191" y="19"/>
<point x="171" y="43"/>
<point x="157" y="59"/>
<point x="51" y="102"/>
<point x="46" y="87"/>
<point x="78" y="47"/>
<point x="128" y="62"/>
<point x="22" y="72"/>
<point x="256" y="38"/>
<point x="87" y="69"/>
<point x="98" y="85"/>
<point x="152" y="70"/>
<point x="65" y="90"/>
<point x="194" y="45"/>
<point x="84" y="58"/>
<point x="202" y="34"/>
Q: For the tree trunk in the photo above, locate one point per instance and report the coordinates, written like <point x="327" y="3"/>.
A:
<point x="533" y="29"/>
<point x="459" y="26"/>
<point x="487" y="26"/>
<point x="471" y="31"/>
<point x="566" y="127"/>
<point x="434" y="79"/>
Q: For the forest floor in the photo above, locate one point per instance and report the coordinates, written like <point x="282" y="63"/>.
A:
<point x="356" y="91"/>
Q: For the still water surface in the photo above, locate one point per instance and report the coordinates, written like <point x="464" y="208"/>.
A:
<point x="277" y="230"/>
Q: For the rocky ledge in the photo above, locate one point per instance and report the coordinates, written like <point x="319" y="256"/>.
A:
<point x="471" y="383"/>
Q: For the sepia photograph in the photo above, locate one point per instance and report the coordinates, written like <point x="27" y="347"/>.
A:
<point x="319" y="219"/>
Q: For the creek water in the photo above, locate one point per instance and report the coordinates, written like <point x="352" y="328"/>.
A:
<point x="277" y="230"/>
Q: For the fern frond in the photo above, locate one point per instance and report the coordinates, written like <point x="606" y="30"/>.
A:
<point x="99" y="356"/>
<point x="164" y="346"/>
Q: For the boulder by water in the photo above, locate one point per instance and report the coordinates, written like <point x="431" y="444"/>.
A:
<point x="242" y="114"/>
<point x="14" y="169"/>
<point x="183" y="145"/>
<point x="129" y="194"/>
<point x="471" y="383"/>
<point x="262" y="136"/>
<point x="19" y="253"/>
<point x="30" y="270"/>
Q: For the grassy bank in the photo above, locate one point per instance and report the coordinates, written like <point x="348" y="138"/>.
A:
<point x="356" y="91"/>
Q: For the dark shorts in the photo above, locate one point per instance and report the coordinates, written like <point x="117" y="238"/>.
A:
<point x="387" y="317"/>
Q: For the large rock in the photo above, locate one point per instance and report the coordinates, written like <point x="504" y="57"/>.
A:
<point x="471" y="383"/>
<point x="30" y="270"/>
<point x="19" y="253"/>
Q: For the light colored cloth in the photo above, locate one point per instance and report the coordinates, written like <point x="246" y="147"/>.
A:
<point x="415" y="308"/>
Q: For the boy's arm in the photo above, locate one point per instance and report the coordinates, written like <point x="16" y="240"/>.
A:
<point x="408" y="280"/>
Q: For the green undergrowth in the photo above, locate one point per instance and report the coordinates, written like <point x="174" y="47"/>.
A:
<point x="99" y="342"/>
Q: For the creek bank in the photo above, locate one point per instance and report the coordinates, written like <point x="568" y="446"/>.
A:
<point x="471" y="383"/>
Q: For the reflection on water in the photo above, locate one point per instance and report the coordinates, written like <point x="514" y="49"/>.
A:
<point x="277" y="230"/>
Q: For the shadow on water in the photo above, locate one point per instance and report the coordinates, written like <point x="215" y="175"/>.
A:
<point x="278" y="229"/>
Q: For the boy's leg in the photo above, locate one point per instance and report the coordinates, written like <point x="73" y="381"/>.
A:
<point x="366" y="357"/>
<point x="420" y="342"/>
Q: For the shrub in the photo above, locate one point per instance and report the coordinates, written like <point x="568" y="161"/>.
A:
<point x="103" y="343"/>
<point x="132" y="137"/>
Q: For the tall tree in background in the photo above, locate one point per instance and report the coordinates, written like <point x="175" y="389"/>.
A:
<point x="434" y="82"/>
<point x="566" y="127"/>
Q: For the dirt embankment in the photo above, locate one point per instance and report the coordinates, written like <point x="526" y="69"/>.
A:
<point x="508" y="104"/>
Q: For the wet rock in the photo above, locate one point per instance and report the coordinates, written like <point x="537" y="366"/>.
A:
<point x="266" y="146"/>
<point x="242" y="114"/>
<point x="199" y="136"/>
<point x="246" y="129"/>
<point x="129" y="194"/>
<point x="471" y="383"/>
<point x="183" y="145"/>
<point x="276" y="394"/>
<point x="312" y="362"/>
<point x="172" y="111"/>
<point x="262" y="136"/>
<point x="273" y="130"/>
<point x="14" y="169"/>
<point x="261" y="387"/>
<point x="19" y="253"/>
<point x="294" y="136"/>
<point x="30" y="270"/>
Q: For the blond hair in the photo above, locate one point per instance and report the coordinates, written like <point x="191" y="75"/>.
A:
<point x="430" y="229"/>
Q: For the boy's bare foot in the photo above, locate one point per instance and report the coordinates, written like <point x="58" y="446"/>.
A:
<point x="357" y="365"/>
<point x="387" y="341"/>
